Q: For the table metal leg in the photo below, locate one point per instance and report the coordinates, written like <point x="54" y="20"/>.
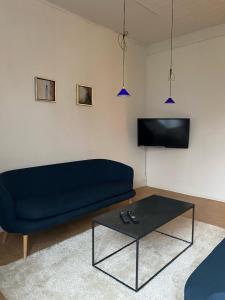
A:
<point x="93" y="243"/>
<point x="137" y="264"/>
<point x="193" y="225"/>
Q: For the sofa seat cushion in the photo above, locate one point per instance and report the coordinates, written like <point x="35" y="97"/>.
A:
<point x="207" y="281"/>
<point x="40" y="207"/>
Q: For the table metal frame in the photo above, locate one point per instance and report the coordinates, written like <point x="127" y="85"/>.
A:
<point x="137" y="286"/>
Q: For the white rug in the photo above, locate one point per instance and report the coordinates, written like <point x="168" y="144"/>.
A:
<point x="64" y="271"/>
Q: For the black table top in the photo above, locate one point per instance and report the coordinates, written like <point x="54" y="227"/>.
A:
<point x="152" y="212"/>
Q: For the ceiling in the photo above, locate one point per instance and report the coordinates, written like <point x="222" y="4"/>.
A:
<point x="148" y="21"/>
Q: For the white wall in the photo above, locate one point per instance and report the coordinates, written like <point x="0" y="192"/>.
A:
<point x="199" y="91"/>
<point x="38" y="39"/>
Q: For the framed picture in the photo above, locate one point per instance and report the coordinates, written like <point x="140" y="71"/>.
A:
<point x="44" y="89"/>
<point x="84" y="95"/>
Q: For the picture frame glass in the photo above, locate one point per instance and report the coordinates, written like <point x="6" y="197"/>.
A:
<point x="45" y="89"/>
<point x="84" y="95"/>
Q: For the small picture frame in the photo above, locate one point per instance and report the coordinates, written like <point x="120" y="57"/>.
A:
<point x="44" y="89"/>
<point x="84" y="95"/>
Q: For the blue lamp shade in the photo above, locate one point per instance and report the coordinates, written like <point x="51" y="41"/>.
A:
<point x="170" y="101"/>
<point x="123" y="92"/>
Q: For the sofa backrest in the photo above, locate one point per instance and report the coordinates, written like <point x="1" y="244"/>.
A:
<point x="64" y="177"/>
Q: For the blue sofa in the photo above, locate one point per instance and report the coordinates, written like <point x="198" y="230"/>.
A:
<point x="207" y="282"/>
<point x="38" y="198"/>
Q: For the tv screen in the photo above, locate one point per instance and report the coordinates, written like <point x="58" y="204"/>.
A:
<point x="169" y="133"/>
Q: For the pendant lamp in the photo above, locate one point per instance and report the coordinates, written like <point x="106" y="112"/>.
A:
<point x="170" y="100"/>
<point x="123" y="45"/>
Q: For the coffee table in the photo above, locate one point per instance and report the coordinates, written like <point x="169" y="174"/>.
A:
<point x="153" y="212"/>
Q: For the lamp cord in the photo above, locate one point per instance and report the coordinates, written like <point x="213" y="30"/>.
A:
<point x="171" y="73"/>
<point x="122" y="39"/>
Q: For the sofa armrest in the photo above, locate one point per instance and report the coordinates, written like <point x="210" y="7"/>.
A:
<point x="120" y="172"/>
<point x="7" y="209"/>
<point x="127" y="173"/>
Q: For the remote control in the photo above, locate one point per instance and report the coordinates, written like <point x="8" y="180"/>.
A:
<point x="124" y="217"/>
<point x="132" y="216"/>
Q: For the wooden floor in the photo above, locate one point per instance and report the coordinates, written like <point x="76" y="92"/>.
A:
<point x="208" y="211"/>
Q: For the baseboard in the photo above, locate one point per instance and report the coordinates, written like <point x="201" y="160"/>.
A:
<point x="207" y="210"/>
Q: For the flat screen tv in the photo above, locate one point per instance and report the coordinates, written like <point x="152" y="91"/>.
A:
<point x="169" y="133"/>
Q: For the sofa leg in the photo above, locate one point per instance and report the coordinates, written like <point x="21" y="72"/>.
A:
<point x="4" y="237"/>
<point x="25" y="246"/>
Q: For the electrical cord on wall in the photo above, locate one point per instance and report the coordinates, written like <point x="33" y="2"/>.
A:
<point x="146" y="178"/>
